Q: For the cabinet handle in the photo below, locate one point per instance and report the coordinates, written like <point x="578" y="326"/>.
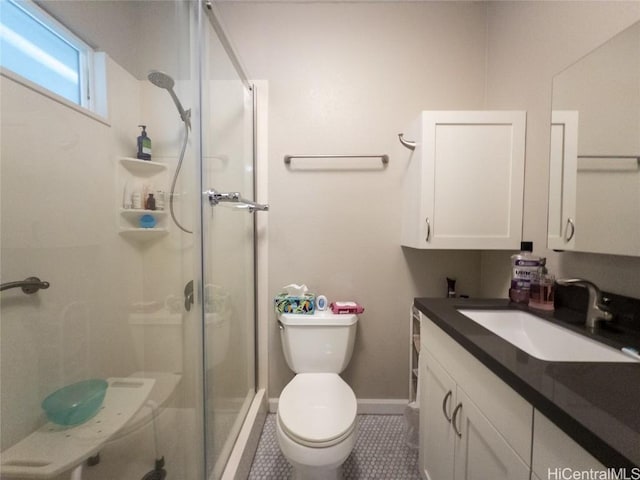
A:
<point x="444" y="406"/>
<point x="567" y="236"/>
<point x="428" y="239"/>
<point x="453" y="419"/>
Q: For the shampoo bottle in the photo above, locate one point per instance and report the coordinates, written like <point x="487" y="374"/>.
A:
<point x="523" y="266"/>
<point x="144" y="145"/>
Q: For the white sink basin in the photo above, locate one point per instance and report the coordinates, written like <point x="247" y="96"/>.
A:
<point x="544" y="340"/>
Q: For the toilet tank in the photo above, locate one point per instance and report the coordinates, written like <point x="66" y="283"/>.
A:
<point x="318" y="343"/>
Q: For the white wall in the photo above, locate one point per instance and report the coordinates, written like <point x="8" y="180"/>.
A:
<point x="58" y="223"/>
<point x="346" y="78"/>
<point x="138" y="35"/>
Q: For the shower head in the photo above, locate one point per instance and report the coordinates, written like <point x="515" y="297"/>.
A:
<point x="162" y="80"/>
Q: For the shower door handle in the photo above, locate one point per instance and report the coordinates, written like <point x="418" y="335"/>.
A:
<point x="215" y="198"/>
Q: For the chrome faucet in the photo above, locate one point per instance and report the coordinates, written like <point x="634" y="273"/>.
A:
<point x="595" y="307"/>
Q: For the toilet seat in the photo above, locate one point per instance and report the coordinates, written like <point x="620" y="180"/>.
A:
<point x="317" y="409"/>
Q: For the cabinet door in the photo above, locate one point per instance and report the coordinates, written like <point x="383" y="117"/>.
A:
<point x="563" y="167"/>
<point x="437" y="398"/>
<point x="554" y="450"/>
<point x="473" y="179"/>
<point x="480" y="451"/>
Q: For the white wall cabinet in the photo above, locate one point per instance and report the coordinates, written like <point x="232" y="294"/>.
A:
<point x="464" y="183"/>
<point x="472" y="425"/>
<point x="589" y="194"/>
<point x="563" y="167"/>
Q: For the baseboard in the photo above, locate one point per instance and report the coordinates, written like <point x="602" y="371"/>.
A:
<point x="239" y="463"/>
<point x="382" y="406"/>
<point x="367" y="406"/>
<point x="273" y="405"/>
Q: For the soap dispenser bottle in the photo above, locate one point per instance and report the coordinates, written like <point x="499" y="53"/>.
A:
<point x="144" y="144"/>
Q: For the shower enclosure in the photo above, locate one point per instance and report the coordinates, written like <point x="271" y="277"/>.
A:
<point x="160" y="303"/>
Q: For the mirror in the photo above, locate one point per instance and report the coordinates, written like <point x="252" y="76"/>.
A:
<point x="594" y="189"/>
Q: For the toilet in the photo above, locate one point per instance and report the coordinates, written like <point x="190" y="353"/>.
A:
<point x="316" y="419"/>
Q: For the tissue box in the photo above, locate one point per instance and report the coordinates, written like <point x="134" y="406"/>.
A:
<point x="304" y="304"/>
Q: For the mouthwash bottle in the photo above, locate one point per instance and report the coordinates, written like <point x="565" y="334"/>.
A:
<point x="524" y="266"/>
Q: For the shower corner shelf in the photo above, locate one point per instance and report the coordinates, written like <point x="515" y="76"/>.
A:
<point x="142" y="167"/>
<point x="143" y="234"/>
<point x="53" y="449"/>
<point x="133" y="171"/>
<point x="134" y="214"/>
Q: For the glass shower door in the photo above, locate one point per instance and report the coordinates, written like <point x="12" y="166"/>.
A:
<point x="228" y="250"/>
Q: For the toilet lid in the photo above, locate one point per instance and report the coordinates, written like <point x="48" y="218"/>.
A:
<point x="317" y="409"/>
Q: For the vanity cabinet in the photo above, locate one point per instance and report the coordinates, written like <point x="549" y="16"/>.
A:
<point x="437" y="437"/>
<point x="554" y="450"/>
<point x="464" y="183"/>
<point x="472" y="425"/>
<point x="414" y="350"/>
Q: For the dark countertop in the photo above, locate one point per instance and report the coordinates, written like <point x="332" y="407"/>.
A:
<point x="596" y="404"/>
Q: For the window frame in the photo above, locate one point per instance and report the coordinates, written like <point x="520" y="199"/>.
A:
<point x="86" y="56"/>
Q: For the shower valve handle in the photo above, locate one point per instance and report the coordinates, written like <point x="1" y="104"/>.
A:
<point x="188" y="295"/>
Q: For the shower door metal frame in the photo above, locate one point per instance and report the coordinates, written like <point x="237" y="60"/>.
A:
<point x="212" y="13"/>
<point x="214" y="17"/>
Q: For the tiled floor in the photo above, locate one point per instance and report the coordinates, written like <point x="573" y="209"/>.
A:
<point x="381" y="452"/>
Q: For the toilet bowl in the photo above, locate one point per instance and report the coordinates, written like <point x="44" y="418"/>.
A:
<point x="316" y="418"/>
<point x="316" y="424"/>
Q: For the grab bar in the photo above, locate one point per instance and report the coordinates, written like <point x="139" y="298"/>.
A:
<point x="29" y="286"/>
<point x="216" y="197"/>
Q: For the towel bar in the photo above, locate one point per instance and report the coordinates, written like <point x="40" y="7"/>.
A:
<point x="384" y="157"/>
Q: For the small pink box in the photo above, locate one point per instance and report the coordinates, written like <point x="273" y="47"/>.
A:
<point x="346" y="307"/>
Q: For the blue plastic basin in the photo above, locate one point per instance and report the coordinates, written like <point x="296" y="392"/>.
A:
<point x="75" y="403"/>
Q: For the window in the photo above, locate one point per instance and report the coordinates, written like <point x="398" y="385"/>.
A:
<point x="37" y="47"/>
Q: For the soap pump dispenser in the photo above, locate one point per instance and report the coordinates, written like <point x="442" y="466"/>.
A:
<point x="144" y="144"/>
